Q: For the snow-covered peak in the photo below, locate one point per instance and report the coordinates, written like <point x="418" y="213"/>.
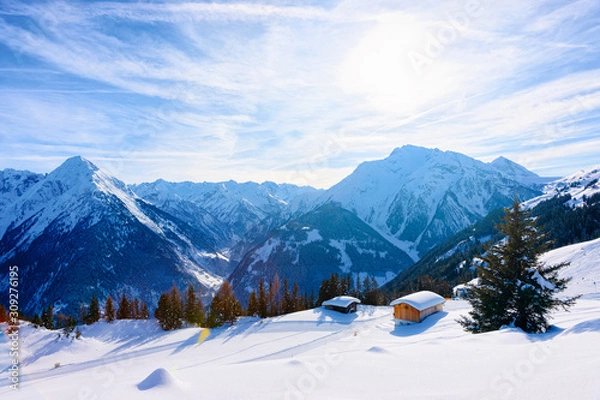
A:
<point x="68" y="193"/>
<point x="417" y="197"/>
<point x="512" y="170"/>
<point x="580" y="185"/>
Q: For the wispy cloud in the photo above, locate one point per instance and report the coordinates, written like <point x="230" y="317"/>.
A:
<point x="250" y="90"/>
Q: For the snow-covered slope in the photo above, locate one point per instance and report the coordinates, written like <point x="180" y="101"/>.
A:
<point x="308" y="249"/>
<point x="419" y="197"/>
<point x="79" y="232"/>
<point x="13" y="184"/>
<point x="578" y="186"/>
<point x="584" y="267"/>
<point x="314" y="354"/>
<point x="512" y="170"/>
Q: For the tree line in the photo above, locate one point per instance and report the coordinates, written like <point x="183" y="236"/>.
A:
<point x="174" y="310"/>
<point x="366" y="290"/>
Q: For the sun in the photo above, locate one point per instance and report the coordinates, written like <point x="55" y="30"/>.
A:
<point x="379" y="68"/>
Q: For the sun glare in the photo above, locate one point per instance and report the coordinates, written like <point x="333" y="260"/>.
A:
<point x="380" y="67"/>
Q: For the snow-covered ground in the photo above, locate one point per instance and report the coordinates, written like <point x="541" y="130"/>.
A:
<point x="321" y="354"/>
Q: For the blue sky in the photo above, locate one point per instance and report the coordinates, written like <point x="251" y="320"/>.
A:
<point x="296" y="91"/>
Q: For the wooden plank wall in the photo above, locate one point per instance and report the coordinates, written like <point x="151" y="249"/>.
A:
<point x="407" y="313"/>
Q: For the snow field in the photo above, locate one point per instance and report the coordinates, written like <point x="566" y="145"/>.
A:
<point x="317" y="354"/>
<point x="322" y="354"/>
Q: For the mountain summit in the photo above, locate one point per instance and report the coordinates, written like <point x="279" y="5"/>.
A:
<point x="79" y="232"/>
<point x="419" y="197"/>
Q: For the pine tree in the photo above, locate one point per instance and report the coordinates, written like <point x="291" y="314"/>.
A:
<point x="144" y="313"/>
<point x="515" y="287"/>
<point x="262" y="300"/>
<point x="372" y="294"/>
<point x="287" y="302"/>
<point x="296" y="298"/>
<point x="358" y="288"/>
<point x="330" y="288"/>
<point x="252" y="305"/>
<point x="93" y="313"/>
<point x="162" y="312"/>
<point x="274" y="301"/>
<point x="193" y="311"/>
<point x="124" y="311"/>
<point x="225" y="308"/>
<point x="47" y="318"/>
<point x="177" y="306"/>
<point x="135" y="309"/>
<point x="36" y="320"/>
<point x="109" y="309"/>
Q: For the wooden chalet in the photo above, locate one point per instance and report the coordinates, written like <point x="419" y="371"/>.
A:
<point x="343" y="304"/>
<point x="417" y="306"/>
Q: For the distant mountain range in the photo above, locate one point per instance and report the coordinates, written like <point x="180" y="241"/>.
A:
<point x="77" y="231"/>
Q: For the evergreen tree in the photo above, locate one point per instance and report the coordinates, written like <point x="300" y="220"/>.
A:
<point x="36" y="320"/>
<point x="358" y="288"/>
<point x="176" y="306"/>
<point x="193" y="311"/>
<point x="225" y="308"/>
<point x="274" y="301"/>
<point x="109" y="309"/>
<point x="252" y="305"/>
<point x="169" y="311"/>
<point x="162" y="312"/>
<point x="262" y="300"/>
<point x="287" y="302"/>
<point x="124" y="311"/>
<point x="515" y="287"/>
<point x="372" y="294"/>
<point x="135" y="309"/>
<point x="93" y="313"/>
<point x="296" y="298"/>
<point x="310" y="300"/>
<point x="144" y="313"/>
<point x="330" y="288"/>
<point x="47" y="318"/>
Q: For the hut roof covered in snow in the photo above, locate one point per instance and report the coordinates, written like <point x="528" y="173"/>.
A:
<point x="420" y="300"/>
<point x="341" y="301"/>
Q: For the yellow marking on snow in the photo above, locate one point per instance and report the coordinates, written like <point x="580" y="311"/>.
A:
<point x="204" y="334"/>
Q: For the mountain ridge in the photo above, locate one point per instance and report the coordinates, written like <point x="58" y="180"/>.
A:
<point x="199" y="232"/>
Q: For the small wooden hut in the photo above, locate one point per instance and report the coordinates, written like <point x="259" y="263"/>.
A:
<point x="343" y="304"/>
<point x="417" y="306"/>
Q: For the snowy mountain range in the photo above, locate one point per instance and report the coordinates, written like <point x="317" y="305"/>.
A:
<point x="236" y="214"/>
<point x="308" y="249"/>
<point x="77" y="231"/>
<point x="419" y="197"/>
<point x="568" y="209"/>
<point x="578" y="186"/>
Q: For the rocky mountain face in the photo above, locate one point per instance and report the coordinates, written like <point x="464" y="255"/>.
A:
<point x="237" y="215"/>
<point x="308" y="249"/>
<point x="568" y="210"/>
<point x="78" y="232"/>
<point x="418" y="197"/>
<point x="13" y="184"/>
